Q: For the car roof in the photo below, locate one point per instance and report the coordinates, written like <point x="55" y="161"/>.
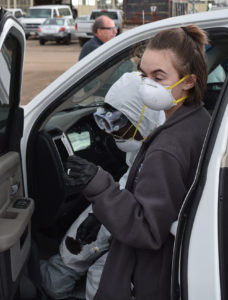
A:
<point x="14" y="9"/>
<point x="49" y="6"/>
<point x="106" y="9"/>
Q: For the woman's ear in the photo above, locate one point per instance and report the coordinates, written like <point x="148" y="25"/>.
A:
<point x="189" y="82"/>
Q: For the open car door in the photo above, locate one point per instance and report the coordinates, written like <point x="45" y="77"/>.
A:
<point x="15" y="210"/>
<point x="200" y="265"/>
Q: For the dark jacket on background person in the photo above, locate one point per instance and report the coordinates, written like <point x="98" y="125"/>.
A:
<point x="89" y="46"/>
<point x="140" y="216"/>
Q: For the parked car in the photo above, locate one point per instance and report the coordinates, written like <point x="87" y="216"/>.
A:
<point x="36" y="15"/>
<point x="36" y="207"/>
<point x="57" y="29"/>
<point x="84" y="24"/>
<point x="16" y="12"/>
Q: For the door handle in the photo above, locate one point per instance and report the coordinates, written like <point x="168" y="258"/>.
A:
<point x="14" y="188"/>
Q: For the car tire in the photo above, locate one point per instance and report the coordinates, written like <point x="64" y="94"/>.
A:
<point x="42" y="41"/>
<point x="27" y="36"/>
<point x="67" y="39"/>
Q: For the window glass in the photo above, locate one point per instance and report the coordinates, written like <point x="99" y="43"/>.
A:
<point x="95" y="91"/>
<point x="38" y="13"/>
<point x="70" y="22"/>
<point x="18" y="14"/>
<point x="217" y="75"/>
<point x="217" y="60"/>
<point x="7" y="61"/>
<point x="111" y="14"/>
<point x="64" y="12"/>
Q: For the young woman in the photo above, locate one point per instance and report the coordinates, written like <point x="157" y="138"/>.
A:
<point x="139" y="217"/>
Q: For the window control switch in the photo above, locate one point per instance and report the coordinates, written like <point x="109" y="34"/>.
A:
<point x="22" y="203"/>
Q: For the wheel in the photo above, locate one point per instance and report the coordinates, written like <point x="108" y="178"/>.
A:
<point x="67" y="39"/>
<point x="27" y="36"/>
<point x="42" y="41"/>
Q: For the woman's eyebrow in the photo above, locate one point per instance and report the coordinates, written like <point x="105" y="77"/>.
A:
<point x="159" y="70"/>
<point x="153" y="72"/>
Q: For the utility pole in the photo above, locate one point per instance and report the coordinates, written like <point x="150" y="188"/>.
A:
<point x="173" y="8"/>
<point x="193" y="5"/>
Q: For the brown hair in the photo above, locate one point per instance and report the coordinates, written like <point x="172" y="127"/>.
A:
<point x="187" y="43"/>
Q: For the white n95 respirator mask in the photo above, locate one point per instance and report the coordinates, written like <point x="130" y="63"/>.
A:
<point x="157" y="96"/>
<point x="128" y="145"/>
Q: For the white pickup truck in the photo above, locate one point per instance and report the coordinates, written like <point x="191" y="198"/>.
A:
<point x="84" y="23"/>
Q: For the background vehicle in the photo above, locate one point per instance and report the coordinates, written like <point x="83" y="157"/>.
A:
<point x="84" y="26"/>
<point x="37" y="139"/>
<point x="57" y="29"/>
<point x="16" y="12"/>
<point x="36" y="15"/>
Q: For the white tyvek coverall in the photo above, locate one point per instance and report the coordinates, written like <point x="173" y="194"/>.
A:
<point x="62" y="273"/>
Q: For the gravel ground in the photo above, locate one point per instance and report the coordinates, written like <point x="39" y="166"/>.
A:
<point x="43" y="64"/>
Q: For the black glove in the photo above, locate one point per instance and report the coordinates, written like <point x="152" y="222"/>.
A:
<point x="87" y="233"/>
<point x="79" y="172"/>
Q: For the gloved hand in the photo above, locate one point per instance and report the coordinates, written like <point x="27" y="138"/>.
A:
<point x="87" y="233"/>
<point x="79" y="172"/>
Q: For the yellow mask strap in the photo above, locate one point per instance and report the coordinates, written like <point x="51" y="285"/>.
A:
<point x="137" y="127"/>
<point x="179" y="100"/>
<point x="175" y="84"/>
<point x="120" y="136"/>
<point x="143" y="140"/>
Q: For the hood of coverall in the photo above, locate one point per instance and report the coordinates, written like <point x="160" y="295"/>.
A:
<point x="124" y="96"/>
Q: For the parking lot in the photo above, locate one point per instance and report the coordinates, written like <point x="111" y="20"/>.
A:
<point x="43" y="64"/>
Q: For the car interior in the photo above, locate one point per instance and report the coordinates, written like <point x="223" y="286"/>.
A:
<point x="68" y="128"/>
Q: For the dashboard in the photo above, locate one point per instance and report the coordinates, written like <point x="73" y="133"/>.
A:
<point x="55" y="143"/>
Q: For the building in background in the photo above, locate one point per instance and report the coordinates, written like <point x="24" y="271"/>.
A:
<point x="136" y="12"/>
<point x="198" y="6"/>
<point x="84" y="7"/>
<point x="141" y="11"/>
<point x="23" y="4"/>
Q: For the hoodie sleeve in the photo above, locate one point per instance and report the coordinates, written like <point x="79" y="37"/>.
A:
<point x="141" y="219"/>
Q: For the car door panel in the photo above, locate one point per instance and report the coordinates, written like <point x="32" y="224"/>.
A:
<point x="13" y="221"/>
<point x="14" y="224"/>
<point x="15" y="210"/>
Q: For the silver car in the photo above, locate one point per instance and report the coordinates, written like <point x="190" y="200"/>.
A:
<point x="57" y="29"/>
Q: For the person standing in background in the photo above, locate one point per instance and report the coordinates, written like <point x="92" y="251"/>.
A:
<point x="104" y="29"/>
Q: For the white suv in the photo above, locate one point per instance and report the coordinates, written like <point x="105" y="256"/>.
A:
<point x="36" y="207"/>
<point x="36" y="15"/>
<point x="16" y="12"/>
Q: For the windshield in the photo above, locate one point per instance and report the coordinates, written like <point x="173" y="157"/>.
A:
<point x="38" y="13"/>
<point x="110" y="14"/>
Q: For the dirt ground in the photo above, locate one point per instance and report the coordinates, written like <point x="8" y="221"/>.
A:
<point x="43" y="64"/>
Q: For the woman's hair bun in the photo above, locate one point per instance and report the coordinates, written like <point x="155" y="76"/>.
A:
<point x="197" y="34"/>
